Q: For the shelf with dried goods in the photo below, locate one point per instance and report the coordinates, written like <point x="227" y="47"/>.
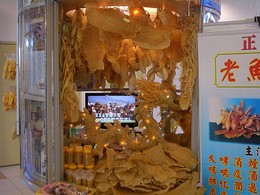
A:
<point x="111" y="42"/>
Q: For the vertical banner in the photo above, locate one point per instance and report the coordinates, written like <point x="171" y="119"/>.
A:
<point x="229" y="84"/>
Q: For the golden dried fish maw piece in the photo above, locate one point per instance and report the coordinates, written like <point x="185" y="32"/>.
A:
<point x="113" y="20"/>
<point x="138" y="13"/>
<point x="189" y="187"/>
<point x="143" y="60"/>
<point x="174" y="51"/>
<point x="155" y="155"/>
<point x="93" y="49"/>
<point x="189" y="63"/>
<point x="168" y="19"/>
<point x="113" y="45"/>
<point x="182" y="155"/>
<point x="83" y="77"/>
<point x="152" y="38"/>
<point x="129" y="51"/>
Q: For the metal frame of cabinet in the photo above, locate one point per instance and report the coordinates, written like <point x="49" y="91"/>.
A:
<point x="38" y="115"/>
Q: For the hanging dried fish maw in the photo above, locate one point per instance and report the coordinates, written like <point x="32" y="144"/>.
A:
<point x="152" y="38"/>
<point x="83" y="77"/>
<point x="143" y="59"/>
<point x="138" y="13"/>
<point x="123" y="68"/>
<point x="113" y="45"/>
<point x="168" y="19"/>
<point x="93" y="49"/>
<point x="129" y="51"/>
<point x="189" y="63"/>
<point x="113" y="20"/>
<point x="175" y="51"/>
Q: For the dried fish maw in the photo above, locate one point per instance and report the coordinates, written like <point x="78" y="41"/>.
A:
<point x="113" y="20"/>
<point x="116" y="66"/>
<point x="123" y="68"/>
<point x="220" y="132"/>
<point x="93" y="49"/>
<point x="189" y="63"/>
<point x="189" y="187"/>
<point x="129" y="51"/>
<point x="83" y="77"/>
<point x="174" y="51"/>
<point x="230" y="134"/>
<point x="182" y="155"/>
<point x="152" y="171"/>
<point x="143" y="59"/>
<point x="113" y="45"/>
<point x="152" y="38"/>
<point x="155" y="155"/>
<point x="131" y="81"/>
<point x="168" y="19"/>
<point x="156" y="55"/>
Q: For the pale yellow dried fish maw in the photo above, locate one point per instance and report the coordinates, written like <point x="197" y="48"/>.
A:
<point x="143" y="59"/>
<point x="155" y="155"/>
<point x="123" y="68"/>
<point x="138" y="13"/>
<point x="116" y="66"/>
<point x="174" y="51"/>
<point x="152" y="38"/>
<point x="155" y="55"/>
<point x="182" y="155"/>
<point x="129" y="51"/>
<point x="113" y="45"/>
<point x="189" y="63"/>
<point x="93" y="49"/>
<point x="83" y="77"/>
<point x="168" y="19"/>
<point x="131" y="81"/>
<point x="113" y="20"/>
<point x="189" y="187"/>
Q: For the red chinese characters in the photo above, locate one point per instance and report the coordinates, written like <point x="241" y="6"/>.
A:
<point x="248" y="42"/>
<point x="254" y="69"/>
<point x="228" y="73"/>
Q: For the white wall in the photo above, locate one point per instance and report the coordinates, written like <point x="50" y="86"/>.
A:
<point x="8" y="20"/>
<point x="239" y="9"/>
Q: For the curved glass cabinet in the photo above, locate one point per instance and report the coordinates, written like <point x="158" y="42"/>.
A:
<point x="38" y="114"/>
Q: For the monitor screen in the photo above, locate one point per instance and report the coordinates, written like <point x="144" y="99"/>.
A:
<point x="108" y="107"/>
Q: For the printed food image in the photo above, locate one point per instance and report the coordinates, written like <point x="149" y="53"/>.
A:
<point x="239" y="121"/>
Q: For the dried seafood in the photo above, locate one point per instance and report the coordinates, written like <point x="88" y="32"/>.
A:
<point x="93" y="48"/>
<point x="238" y="121"/>
<point x="115" y="21"/>
<point x="189" y="63"/>
<point x="9" y="100"/>
<point x="9" y="71"/>
<point x="162" y="169"/>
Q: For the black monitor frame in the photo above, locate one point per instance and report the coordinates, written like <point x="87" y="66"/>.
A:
<point x="120" y="98"/>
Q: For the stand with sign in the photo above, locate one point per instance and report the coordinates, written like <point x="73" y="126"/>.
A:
<point x="229" y="82"/>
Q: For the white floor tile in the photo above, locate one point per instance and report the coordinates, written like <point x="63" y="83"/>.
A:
<point x="12" y="192"/>
<point x="6" y="185"/>
<point x="13" y="185"/>
<point x="17" y="182"/>
<point x="11" y="171"/>
<point x="26" y="191"/>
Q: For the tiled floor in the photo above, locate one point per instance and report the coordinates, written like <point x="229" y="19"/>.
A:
<point x="10" y="182"/>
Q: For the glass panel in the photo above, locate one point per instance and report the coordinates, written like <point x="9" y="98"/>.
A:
<point x="32" y="90"/>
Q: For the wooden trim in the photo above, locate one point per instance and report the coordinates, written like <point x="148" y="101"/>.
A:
<point x="7" y="43"/>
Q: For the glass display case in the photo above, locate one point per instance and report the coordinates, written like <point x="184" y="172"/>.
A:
<point x="38" y="114"/>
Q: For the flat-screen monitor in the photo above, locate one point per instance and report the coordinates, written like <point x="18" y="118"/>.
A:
<point x="109" y="107"/>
